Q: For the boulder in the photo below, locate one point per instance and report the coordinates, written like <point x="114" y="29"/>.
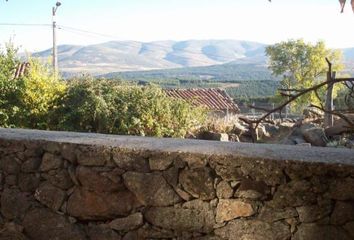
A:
<point x="340" y="126"/>
<point x="316" y="136"/>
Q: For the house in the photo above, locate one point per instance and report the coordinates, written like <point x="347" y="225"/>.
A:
<point x="216" y="100"/>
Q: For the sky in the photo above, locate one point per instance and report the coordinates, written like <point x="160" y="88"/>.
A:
<point x="84" y="22"/>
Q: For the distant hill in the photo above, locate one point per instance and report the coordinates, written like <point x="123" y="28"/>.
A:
<point x="117" y="56"/>
<point x="127" y="56"/>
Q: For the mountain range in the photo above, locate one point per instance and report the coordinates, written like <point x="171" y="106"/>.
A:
<point x="123" y="56"/>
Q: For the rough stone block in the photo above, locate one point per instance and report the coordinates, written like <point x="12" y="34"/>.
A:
<point x="320" y="232"/>
<point x="14" y="203"/>
<point x="313" y="213"/>
<point x="198" y="182"/>
<point x="51" y="162"/>
<point x="229" y="209"/>
<point x="102" y="232"/>
<point x="343" y="212"/>
<point x="43" y="224"/>
<point x="252" y="190"/>
<point x="28" y="182"/>
<point x="224" y="190"/>
<point x="342" y="189"/>
<point x="160" y="161"/>
<point x="95" y="181"/>
<point x="88" y="205"/>
<point x="131" y="161"/>
<point x="254" y="229"/>
<point x="93" y="155"/>
<point x="151" y="189"/>
<point x="128" y="223"/>
<point x="274" y="214"/>
<point x="50" y="196"/>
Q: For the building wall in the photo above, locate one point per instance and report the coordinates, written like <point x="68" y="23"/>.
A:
<point x="72" y="186"/>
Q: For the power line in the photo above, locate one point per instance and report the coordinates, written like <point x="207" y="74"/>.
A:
<point x="26" y="24"/>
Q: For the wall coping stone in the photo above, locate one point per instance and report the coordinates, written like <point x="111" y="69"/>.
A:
<point x="335" y="156"/>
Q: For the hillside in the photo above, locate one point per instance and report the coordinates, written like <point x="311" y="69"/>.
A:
<point x="126" y="56"/>
<point x="119" y="56"/>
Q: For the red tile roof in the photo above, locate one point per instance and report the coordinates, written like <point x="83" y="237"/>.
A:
<point x="212" y="98"/>
<point x="21" y="69"/>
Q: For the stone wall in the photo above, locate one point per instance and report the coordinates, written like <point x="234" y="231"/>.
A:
<point x="71" y="186"/>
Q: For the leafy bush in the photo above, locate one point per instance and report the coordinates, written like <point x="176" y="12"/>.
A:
<point x="111" y="107"/>
<point x="25" y="101"/>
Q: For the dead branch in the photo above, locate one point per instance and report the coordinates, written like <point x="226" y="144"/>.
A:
<point x="336" y="113"/>
<point x="292" y="98"/>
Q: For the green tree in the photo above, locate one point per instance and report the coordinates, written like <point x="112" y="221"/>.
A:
<point x="302" y="65"/>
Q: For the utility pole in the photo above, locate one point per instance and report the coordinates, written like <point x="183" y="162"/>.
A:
<point x="55" y="51"/>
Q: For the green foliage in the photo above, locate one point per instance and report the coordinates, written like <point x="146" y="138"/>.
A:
<point x="10" y="89"/>
<point x="208" y="74"/>
<point x="302" y="65"/>
<point x="25" y="101"/>
<point x="110" y="107"/>
<point x="253" y="89"/>
<point x="39" y="93"/>
<point x="345" y="99"/>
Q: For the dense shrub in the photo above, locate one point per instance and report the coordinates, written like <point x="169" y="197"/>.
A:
<point x="25" y="101"/>
<point x="112" y="107"/>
